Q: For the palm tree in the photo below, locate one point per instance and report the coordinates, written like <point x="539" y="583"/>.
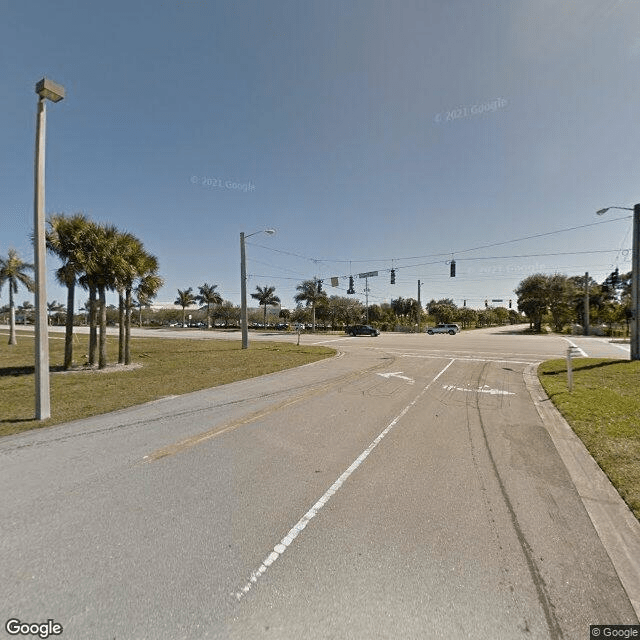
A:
<point x="54" y="308"/>
<point x="103" y="267"/>
<point x="66" y="238"/>
<point x="265" y="296"/>
<point x="146" y="290"/>
<point x="312" y="295"/>
<point x="149" y="282"/>
<point x="208" y="295"/>
<point x="13" y="271"/>
<point x="128" y="252"/>
<point x="184" y="299"/>
<point x="26" y="307"/>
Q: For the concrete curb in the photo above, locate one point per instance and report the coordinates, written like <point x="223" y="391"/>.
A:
<point x="615" y="524"/>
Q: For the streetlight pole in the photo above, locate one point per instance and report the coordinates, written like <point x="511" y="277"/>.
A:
<point x="47" y="90"/>
<point x="635" y="272"/>
<point x="243" y="285"/>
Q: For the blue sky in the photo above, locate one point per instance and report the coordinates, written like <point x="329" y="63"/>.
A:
<point x="370" y="134"/>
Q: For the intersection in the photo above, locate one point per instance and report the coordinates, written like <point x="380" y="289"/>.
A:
<point x="405" y="488"/>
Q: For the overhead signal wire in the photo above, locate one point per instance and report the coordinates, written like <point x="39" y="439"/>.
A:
<point x="447" y="253"/>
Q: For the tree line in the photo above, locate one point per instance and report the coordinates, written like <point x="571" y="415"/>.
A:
<point x="98" y="258"/>
<point x="560" y="300"/>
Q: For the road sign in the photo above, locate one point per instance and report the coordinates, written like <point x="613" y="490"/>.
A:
<point x="369" y="274"/>
<point x="497" y="300"/>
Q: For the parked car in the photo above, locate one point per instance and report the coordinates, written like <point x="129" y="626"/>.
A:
<point x="362" y="330"/>
<point x="281" y="326"/>
<point x="451" y="329"/>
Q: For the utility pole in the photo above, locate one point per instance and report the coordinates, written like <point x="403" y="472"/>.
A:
<point x="419" y="307"/>
<point x="586" y="304"/>
<point x="635" y="274"/>
<point x="46" y="90"/>
<point x="366" y="295"/>
<point x="366" y="276"/>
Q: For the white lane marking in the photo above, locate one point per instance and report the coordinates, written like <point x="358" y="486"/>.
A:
<point x="461" y="353"/>
<point x="465" y="359"/>
<point x="484" y="389"/>
<point x="397" y="374"/>
<point x="575" y="346"/>
<point x="299" y="526"/>
<point x="625" y="347"/>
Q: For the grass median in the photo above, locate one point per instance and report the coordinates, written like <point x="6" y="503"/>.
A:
<point x="160" y="367"/>
<point x="604" y="411"/>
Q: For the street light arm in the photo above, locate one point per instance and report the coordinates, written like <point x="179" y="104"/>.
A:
<point x="269" y="232"/>
<point x="601" y="212"/>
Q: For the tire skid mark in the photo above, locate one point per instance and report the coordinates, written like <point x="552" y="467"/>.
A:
<point x="555" y="632"/>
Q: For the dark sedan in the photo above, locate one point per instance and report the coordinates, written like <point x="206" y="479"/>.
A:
<point x="362" y="330"/>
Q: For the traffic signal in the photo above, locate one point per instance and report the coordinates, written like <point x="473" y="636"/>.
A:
<point x="453" y="269"/>
<point x="351" y="288"/>
<point x="509" y="304"/>
<point x="486" y="303"/>
<point x="319" y="286"/>
<point x="464" y="303"/>
<point x="393" y="276"/>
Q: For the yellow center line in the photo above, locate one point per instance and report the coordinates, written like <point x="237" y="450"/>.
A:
<point x="192" y="441"/>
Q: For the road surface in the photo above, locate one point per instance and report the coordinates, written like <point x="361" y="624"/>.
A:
<point x="406" y="488"/>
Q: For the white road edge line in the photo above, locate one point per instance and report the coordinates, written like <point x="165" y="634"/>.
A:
<point x="626" y="347"/>
<point x="575" y="346"/>
<point x="299" y="526"/>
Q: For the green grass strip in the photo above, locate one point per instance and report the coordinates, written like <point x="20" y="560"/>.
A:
<point x="164" y="367"/>
<point x="604" y="411"/>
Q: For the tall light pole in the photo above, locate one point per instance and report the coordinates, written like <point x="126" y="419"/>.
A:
<point x="635" y="271"/>
<point x="243" y="285"/>
<point x="46" y="90"/>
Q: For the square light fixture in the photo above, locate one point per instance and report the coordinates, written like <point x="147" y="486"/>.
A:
<point x="50" y="90"/>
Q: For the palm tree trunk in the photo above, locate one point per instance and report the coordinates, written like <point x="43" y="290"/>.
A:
<point x="12" y="316"/>
<point x="102" y="351"/>
<point x="93" y="336"/>
<point x="68" y="329"/>
<point x="121" y="338"/>
<point x="264" y="323"/>
<point x="127" y="326"/>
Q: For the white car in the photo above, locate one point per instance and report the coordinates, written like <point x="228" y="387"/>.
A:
<point x="451" y="329"/>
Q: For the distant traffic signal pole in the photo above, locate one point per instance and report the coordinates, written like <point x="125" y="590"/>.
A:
<point x="635" y="271"/>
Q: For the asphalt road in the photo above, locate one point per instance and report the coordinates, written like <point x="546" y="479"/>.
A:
<point x="404" y="489"/>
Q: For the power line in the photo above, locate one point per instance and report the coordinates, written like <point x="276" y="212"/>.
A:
<point x="447" y="253"/>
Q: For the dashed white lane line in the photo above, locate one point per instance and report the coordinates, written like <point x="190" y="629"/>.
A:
<point x="299" y="526"/>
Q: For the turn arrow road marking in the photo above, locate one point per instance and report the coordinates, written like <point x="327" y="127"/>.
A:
<point x="397" y="374"/>
<point x="483" y="389"/>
